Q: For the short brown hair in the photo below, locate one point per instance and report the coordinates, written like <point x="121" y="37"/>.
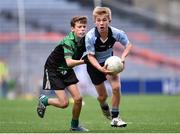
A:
<point x="101" y="11"/>
<point x="80" y="19"/>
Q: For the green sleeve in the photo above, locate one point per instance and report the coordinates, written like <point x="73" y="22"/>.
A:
<point x="68" y="49"/>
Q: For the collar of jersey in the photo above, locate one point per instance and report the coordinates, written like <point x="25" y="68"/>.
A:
<point x="72" y="36"/>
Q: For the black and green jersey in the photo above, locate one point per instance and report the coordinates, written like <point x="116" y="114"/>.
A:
<point x="69" y="47"/>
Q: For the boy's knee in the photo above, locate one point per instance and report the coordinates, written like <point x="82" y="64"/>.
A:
<point x="102" y="98"/>
<point x="115" y="90"/>
<point x="78" y="100"/>
<point x="64" y="104"/>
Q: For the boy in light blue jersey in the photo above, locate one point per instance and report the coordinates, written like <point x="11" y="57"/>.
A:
<point x="99" y="46"/>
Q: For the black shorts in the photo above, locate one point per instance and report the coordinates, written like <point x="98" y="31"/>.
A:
<point x="96" y="76"/>
<point x="56" y="80"/>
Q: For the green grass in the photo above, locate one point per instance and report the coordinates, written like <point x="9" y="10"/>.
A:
<point x="143" y="113"/>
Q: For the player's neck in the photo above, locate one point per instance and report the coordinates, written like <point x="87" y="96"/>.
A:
<point x="104" y="35"/>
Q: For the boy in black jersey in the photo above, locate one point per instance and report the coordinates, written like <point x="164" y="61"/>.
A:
<point x="58" y="72"/>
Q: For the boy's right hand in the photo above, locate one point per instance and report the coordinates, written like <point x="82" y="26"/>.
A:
<point x="85" y="58"/>
<point x="106" y="71"/>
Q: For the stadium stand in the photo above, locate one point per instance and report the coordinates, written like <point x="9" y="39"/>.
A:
<point x="155" y="54"/>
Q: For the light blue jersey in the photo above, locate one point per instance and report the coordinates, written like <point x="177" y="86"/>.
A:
<point x="102" y="50"/>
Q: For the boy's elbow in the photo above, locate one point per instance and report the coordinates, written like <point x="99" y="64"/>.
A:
<point x="69" y="62"/>
<point x="129" y="46"/>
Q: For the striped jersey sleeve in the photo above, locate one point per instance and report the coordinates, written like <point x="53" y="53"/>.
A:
<point x="68" y="49"/>
<point x="90" y="40"/>
<point x="120" y="36"/>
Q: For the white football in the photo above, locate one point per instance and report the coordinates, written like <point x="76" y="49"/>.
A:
<point x="114" y="64"/>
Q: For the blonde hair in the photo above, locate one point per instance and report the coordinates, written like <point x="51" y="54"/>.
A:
<point x="102" y="11"/>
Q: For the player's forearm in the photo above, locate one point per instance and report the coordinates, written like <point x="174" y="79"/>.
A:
<point x="72" y="63"/>
<point x="94" y="62"/>
<point x="126" y="51"/>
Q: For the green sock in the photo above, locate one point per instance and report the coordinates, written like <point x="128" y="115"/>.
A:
<point x="45" y="101"/>
<point x="104" y="106"/>
<point x="74" y="123"/>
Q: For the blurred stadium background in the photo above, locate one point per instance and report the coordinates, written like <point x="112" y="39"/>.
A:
<point x="30" y="29"/>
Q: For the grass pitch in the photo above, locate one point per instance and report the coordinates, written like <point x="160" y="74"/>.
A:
<point x="143" y="113"/>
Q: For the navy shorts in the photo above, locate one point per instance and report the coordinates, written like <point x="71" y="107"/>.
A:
<point x="56" y="80"/>
<point x="96" y="76"/>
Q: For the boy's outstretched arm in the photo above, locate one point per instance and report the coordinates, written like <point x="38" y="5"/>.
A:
<point x="72" y="63"/>
<point x="126" y="52"/>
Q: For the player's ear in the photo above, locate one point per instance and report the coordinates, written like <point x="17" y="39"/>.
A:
<point x="72" y="29"/>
